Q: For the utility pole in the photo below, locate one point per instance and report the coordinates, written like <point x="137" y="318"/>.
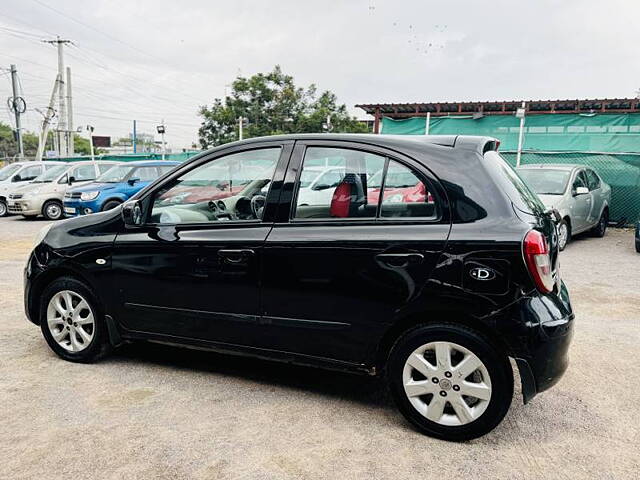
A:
<point x="71" y="135"/>
<point x="42" y="141"/>
<point x="134" y="140"/>
<point x="428" y="124"/>
<point x="62" y="132"/>
<point x="520" y="114"/>
<point x="18" y="106"/>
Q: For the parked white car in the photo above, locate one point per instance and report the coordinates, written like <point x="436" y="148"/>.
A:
<point x="577" y="192"/>
<point x="317" y="185"/>
<point x="18" y="174"/>
<point x="44" y="195"/>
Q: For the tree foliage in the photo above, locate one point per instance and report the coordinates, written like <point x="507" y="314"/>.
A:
<point x="272" y="104"/>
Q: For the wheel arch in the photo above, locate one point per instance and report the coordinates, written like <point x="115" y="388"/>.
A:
<point x="111" y="199"/>
<point x="46" y="279"/>
<point x="399" y="328"/>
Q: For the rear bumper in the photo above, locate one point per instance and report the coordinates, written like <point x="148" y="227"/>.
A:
<point x="549" y="321"/>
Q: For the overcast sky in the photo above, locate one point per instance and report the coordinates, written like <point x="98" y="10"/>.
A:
<point x="149" y="60"/>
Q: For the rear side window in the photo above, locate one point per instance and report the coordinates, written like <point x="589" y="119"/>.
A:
<point x="580" y="180"/>
<point x="341" y="183"/>
<point x="511" y="183"/>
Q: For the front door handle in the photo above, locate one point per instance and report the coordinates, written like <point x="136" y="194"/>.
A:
<point x="236" y="256"/>
<point x="400" y="260"/>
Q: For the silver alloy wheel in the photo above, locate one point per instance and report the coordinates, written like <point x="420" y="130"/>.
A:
<point x="3" y="209"/>
<point x="447" y="383"/>
<point x="563" y="235"/>
<point x="53" y="211"/>
<point x="70" y="321"/>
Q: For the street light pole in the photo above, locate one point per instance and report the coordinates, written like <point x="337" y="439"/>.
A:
<point x="90" y="130"/>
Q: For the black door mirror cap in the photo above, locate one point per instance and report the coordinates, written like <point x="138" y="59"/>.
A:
<point x="133" y="181"/>
<point x="71" y="180"/>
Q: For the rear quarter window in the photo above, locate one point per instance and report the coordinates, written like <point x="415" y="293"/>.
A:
<point x="510" y="182"/>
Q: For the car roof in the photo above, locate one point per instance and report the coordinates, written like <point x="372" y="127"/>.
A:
<point x="151" y="163"/>
<point x="391" y="141"/>
<point x="550" y="166"/>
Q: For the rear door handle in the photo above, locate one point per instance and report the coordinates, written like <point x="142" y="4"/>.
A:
<point x="400" y="260"/>
<point x="236" y="256"/>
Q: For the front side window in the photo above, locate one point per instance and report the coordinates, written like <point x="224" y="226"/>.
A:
<point x="580" y="181"/>
<point x="354" y="184"/>
<point x="593" y="179"/>
<point x="229" y="188"/>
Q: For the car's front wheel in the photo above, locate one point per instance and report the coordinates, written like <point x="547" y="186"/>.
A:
<point x="3" y="208"/>
<point x="450" y="381"/>
<point x="52" y="210"/>
<point x="71" y="321"/>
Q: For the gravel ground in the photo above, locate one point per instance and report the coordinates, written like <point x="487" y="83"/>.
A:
<point x="159" y="412"/>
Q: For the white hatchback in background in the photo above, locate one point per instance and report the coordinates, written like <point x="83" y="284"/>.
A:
<point x="18" y="174"/>
<point x="317" y="185"/>
<point x="44" y="195"/>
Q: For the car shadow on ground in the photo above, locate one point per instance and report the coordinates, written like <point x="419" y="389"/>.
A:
<point x="358" y="388"/>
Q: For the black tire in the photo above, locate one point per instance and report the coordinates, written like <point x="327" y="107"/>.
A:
<point x="99" y="345"/>
<point x="495" y="361"/>
<point x="52" y="210"/>
<point x="638" y="246"/>
<point x="3" y="209"/>
<point x="111" y="204"/>
<point x="601" y="228"/>
<point x="564" y="223"/>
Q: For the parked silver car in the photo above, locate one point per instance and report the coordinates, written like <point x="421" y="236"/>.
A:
<point x="576" y="191"/>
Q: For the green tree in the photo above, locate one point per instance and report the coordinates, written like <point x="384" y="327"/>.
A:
<point x="272" y="104"/>
<point x="9" y="145"/>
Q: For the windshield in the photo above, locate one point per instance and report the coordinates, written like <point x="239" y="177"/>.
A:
<point x="545" y="181"/>
<point x="115" y="175"/>
<point x="9" y="170"/>
<point x="51" y="174"/>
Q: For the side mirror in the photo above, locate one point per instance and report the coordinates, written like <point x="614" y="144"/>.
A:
<point x="132" y="214"/>
<point x="133" y="181"/>
<point x="17" y="178"/>
<point x="71" y="180"/>
<point x="582" y="190"/>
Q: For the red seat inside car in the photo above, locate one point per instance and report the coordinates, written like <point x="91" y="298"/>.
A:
<point x="347" y="196"/>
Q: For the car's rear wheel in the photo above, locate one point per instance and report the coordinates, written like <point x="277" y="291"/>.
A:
<point x="564" y="234"/>
<point x="52" y="210"/>
<point x="3" y="208"/>
<point x="450" y="381"/>
<point x="71" y="321"/>
<point x="601" y="228"/>
<point x="111" y="204"/>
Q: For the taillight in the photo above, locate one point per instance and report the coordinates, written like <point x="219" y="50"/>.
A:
<point x="536" y="255"/>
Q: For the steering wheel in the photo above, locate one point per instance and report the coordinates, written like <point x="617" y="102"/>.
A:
<point x="257" y="205"/>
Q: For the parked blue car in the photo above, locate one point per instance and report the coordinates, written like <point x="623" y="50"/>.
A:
<point x="114" y="187"/>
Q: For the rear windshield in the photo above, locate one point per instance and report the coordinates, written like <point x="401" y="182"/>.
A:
<point x="507" y="178"/>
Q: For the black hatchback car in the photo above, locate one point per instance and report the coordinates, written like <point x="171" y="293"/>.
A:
<point x="423" y="259"/>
